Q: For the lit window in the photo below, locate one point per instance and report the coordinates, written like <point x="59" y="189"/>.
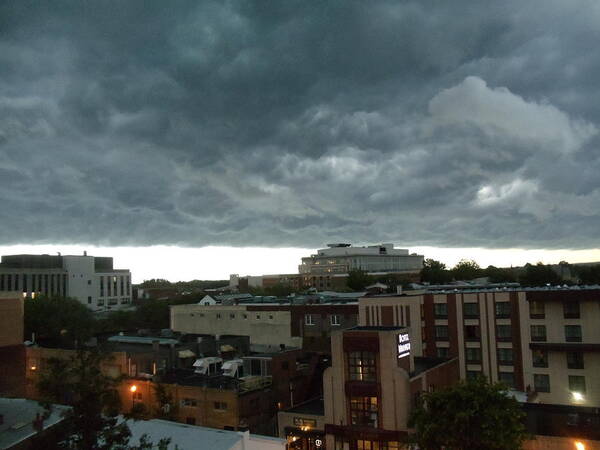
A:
<point x="538" y="333"/>
<point x="364" y="411"/>
<point x="361" y="366"/>
<point x="541" y="382"/>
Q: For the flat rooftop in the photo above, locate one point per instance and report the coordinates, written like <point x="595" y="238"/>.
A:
<point x="19" y="415"/>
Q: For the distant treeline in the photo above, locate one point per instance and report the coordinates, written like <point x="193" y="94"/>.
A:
<point x="435" y="272"/>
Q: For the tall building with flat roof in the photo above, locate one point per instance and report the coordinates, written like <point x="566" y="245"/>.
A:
<point x="342" y="258"/>
<point x="91" y="280"/>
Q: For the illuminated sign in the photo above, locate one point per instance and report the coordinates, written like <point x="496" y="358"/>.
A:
<point x="403" y="345"/>
<point x="302" y="422"/>
<point x="318" y="443"/>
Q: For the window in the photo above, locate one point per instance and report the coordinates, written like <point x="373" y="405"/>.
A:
<point x="473" y="355"/>
<point x="270" y="316"/>
<point x="541" y="382"/>
<point x="334" y="319"/>
<point x="538" y="333"/>
<point x="537" y="310"/>
<point x="505" y="356"/>
<point x="137" y="396"/>
<point x="220" y="406"/>
<point x="575" y="360"/>
<point x="571" y="310"/>
<point x="577" y="384"/>
<point x="309" y="319"/>
<point x="112" y="301"/>
<point x="232" y="316"/>
<point x="89" y="300"/>
<point x="573" y="333"/>
<point x="89" y="282"/>
<point x="363" y="411"/>
<point x="191" y="402"/>
<point x="218" y="315"/>
<point x="508" y="378"/>
<point x="440" y="310"/>
<point x="540" y="358"/>
<point x="502" y="309"/>
<point x="503" y="332"/>
<point x="258" y="317"/>
<point x="442" y="352"/>
<point x="244" y="316"/>
<point x="471" y="310"/>
<point x="441" y="332"/>
<point x="472" y="332"/>
<point x="362" y="444"/>
<point x="361" y="366"/>
<point x="100" y="302"/>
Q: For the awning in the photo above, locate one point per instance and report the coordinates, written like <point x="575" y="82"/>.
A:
<point x="186" y="354"/>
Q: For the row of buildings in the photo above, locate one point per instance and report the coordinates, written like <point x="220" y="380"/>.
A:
<point x="543" y="343"/>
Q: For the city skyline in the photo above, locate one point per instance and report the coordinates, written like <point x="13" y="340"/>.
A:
<point x="217" y="263"/>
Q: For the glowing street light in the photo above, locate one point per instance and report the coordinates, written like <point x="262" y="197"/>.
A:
<point x="579" y="445"/>
<point x="133" y="388"/>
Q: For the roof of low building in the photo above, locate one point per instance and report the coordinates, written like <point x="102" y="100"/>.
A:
<point x="19" y="415"/>
<point x="194" y="437"/>
<point x="148" y="340"/>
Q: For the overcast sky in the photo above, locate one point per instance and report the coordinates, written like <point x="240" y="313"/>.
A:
<point x="290" y="124"/>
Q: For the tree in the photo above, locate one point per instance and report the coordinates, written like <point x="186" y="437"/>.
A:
<point x="474" y="415"/>
<point x="92" y="422"/>
<point x="500" y="275"/>
<point x="61" y="320"/>
<point x="466" y="269"/>
<point x="156" y="283"/>
<point x="539" y="275"/>
<point x="358" y="280"/>
<point x="166" y="408"/>
<point x="435" y="272"/>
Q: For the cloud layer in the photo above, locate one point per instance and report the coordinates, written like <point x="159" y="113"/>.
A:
<point x="298" y="123"/>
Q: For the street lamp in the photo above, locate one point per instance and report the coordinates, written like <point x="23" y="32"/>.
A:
<point x="133" y="388"/>
<point x="579" y="445"/>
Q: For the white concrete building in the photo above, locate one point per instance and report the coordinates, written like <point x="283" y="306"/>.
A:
<point x="342" y="258"/>
<point x="91" y="280"/>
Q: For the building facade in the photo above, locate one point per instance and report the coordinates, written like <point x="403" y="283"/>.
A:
<point x="545" y="342"/>
<point x="268" y="325"/>
<point x="343" y="258"/>
<point x="91" y="280"/>
<point x="373" y="384"/>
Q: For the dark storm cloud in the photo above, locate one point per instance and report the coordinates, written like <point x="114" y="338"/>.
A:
<point x="295" y="123"/>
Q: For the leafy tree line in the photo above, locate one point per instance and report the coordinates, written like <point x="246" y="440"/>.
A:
<point x="436" y="272"/>
<point x="65" y="322"/>
<point x="193" y="285"/>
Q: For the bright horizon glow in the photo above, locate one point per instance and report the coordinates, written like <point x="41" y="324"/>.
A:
<point x="217" y="263"/>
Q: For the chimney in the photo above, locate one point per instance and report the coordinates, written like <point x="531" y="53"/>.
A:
<point x="85" y="253"/>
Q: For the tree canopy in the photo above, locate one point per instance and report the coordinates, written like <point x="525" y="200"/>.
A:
<point x="539" y="275"/>
<point x="466" y="269"/>
<point x="358" y="280"/>
<point x="473" y="415"/>
<point x="435" y="272"/>
<point x="61" y="320"/>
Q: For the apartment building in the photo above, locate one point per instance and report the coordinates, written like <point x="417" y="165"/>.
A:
<point x="91" y="280"/>
<point x="544" y="341"/>
<point x="268" y="325"/>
